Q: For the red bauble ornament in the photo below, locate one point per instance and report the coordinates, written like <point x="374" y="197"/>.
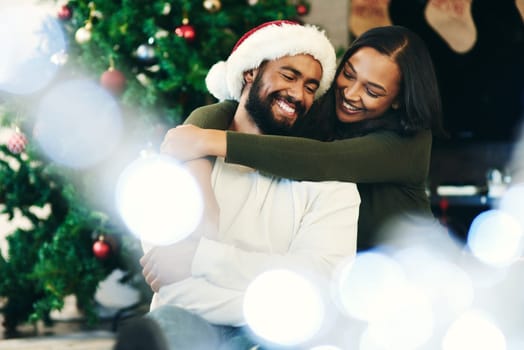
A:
<point x="101" y="249"/>
<point x="302" y="9"/>
<point x="17" y="142"/>
<point x="186" y="31"/>
<point x="65" y="13"/>
<point x="113" y="80"/>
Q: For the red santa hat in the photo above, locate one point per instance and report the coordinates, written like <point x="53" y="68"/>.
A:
<point x="269" y="41"/>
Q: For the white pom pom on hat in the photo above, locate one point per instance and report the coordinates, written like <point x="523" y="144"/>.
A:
<point x="269" y="41"/>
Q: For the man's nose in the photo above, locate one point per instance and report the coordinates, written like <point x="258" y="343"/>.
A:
<point x="297" y="92"/>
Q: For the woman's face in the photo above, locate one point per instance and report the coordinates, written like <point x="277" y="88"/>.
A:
<point x="367" y="86"/>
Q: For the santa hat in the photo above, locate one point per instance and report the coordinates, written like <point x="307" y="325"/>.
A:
<point x="269" y="41"/>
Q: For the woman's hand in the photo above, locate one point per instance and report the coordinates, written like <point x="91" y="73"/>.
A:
<point x="188" y="142"/>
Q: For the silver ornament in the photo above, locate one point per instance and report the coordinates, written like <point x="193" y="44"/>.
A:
<point x="145" y="52"/>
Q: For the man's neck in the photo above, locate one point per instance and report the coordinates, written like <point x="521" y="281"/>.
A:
<point x="242" y="122"/>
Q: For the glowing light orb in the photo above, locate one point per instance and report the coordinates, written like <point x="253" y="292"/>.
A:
<point x="512" y="202"/>
<point x="31" y="41"/>
<point x="496" y="238"/>
<point x="406" y="321"/>
<point x="473" y="330"/>
<point x="159" y="200"/>
<point x="283" y="307"/>
<point x="364" y="285"/>
<point x="447" y="284"/>
<point x="78" y="124"/>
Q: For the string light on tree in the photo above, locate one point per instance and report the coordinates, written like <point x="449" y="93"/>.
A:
<point x="212" y="5"/>
<point x="252" y="2"/>
<point x="186" y="31"/>
<point x="166" y="10"/>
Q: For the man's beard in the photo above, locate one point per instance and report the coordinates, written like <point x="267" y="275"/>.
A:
<point x="261" y="113"/>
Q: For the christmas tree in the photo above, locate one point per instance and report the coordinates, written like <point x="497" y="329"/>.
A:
<point x="152" y="57"/>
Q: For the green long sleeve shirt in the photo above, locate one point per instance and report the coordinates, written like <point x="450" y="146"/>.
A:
<point x="390" y="170"/>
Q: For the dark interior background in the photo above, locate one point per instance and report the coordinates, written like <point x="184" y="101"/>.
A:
<point x="483" y="97"/>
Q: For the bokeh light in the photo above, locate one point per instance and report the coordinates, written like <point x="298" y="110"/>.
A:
<point x="406" y="321"/>
<point x="364" y="285"/>
<point x="78" y="123"/>
<point x="512" y="202"/>
<point x="159" y="200"/>
<point x="448" y="286"/>
<point x="474" y="330"/>
<point x="495" y="237"/>
<point x="33" y="48"/>
<point x="283" y="307"/>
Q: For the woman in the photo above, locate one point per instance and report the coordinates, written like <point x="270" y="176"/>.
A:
<point x="374" y="125"/>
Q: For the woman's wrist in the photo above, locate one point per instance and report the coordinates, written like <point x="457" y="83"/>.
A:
<point x="215" y="143"/>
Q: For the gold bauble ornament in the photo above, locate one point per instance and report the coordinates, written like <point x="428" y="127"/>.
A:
<point x="212" y="5"/>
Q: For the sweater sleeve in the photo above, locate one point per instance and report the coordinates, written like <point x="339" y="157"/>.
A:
<point x="327" y="235"/>
<point x="380" y="157"/>
<point x="214" y="116"/>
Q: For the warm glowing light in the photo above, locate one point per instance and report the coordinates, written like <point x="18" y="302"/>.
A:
<point x="283" y="307"/>
<point x="159" y="200"/>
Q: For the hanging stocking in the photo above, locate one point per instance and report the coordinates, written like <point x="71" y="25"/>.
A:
<point x="367" y="14"/>
<point x="452" y="20"/>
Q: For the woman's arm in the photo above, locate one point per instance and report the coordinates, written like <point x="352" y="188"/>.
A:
<point x="215" y="116"/>
<point x="376" y="157"/>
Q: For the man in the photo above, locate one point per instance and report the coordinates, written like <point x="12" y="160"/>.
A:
<point x="274" y="72"/>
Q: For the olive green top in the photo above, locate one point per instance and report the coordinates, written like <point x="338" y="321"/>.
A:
<point x="390" y="170"/>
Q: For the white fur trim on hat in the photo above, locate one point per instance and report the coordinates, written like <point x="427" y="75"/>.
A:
<point x="272" y="41"/>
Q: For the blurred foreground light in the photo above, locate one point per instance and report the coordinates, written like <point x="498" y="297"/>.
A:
<point x="496" y="238"/>
<point x="283" y="307"/>
<point x="512" y="202"/>
<point x="406" y="321"/>
<point x="365" y="286"/>
<point x="159" y="200"/>
<point x="32" y="41"/>
<point x="473" y="330"/>
<point x="448" y="285"/>
<point x="78" y="123"/>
